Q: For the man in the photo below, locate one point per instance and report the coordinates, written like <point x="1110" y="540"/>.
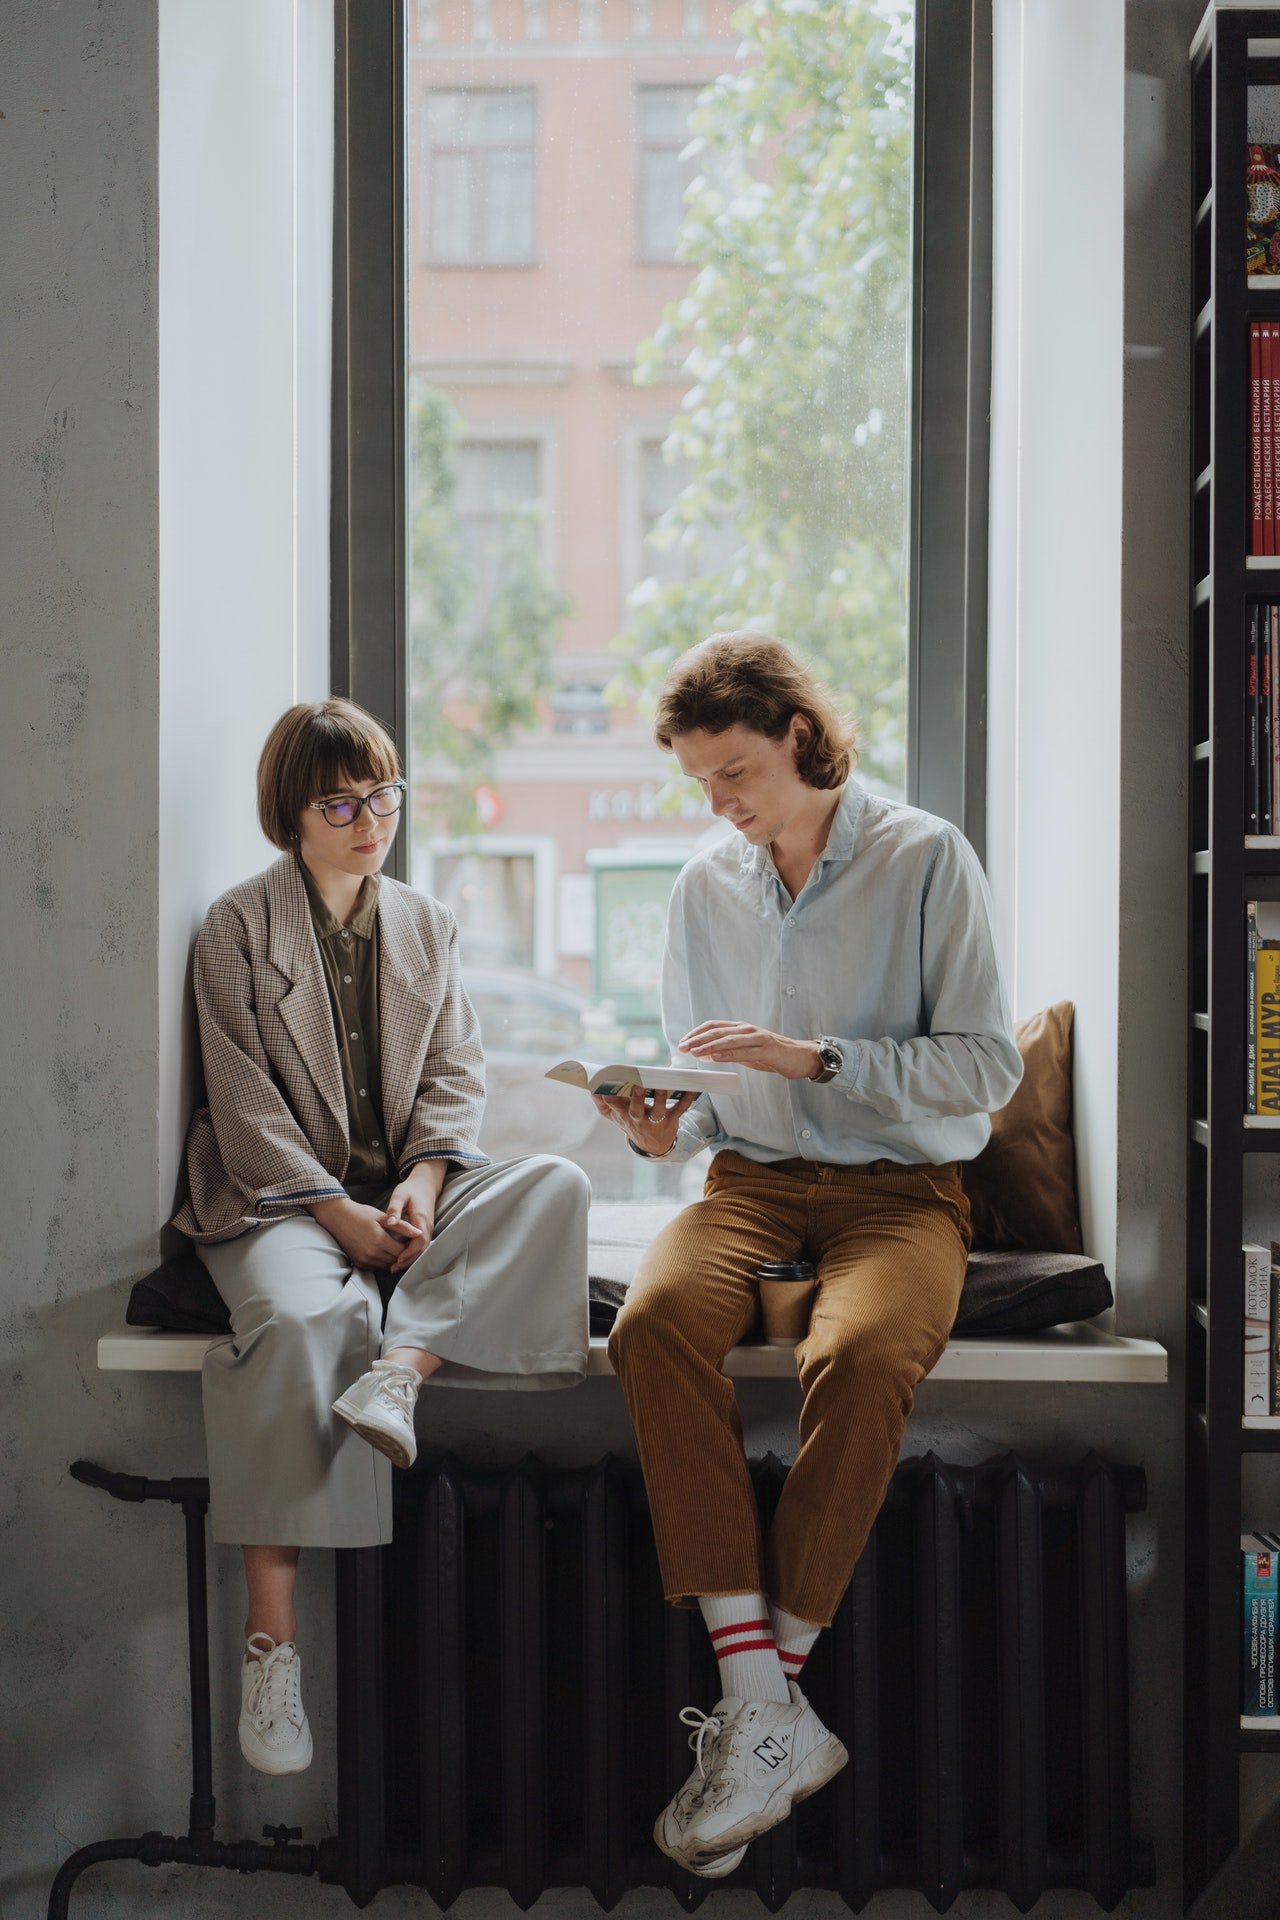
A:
<point x="838" y="948"/>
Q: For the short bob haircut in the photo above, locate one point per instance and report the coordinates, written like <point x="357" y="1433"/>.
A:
<point x="752" y="680"/>
<point x="311" y="751"/>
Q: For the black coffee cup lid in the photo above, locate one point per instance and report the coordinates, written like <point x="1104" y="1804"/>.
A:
<point x="786" y="1270"/>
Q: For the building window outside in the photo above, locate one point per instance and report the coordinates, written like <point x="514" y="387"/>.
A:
<point x="662" y="169"/>
<point x="480" y="177"/>
<point x="664" y="556"/>
<point x="496" y="480"/>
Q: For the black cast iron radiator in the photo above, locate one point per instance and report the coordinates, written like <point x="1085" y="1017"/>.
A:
<point x="510" y="1679"/>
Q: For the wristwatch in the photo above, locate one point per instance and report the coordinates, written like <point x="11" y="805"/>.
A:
<point x="831" y="1054"/>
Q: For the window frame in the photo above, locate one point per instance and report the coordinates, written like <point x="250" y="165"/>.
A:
<point x="950" y="374"/>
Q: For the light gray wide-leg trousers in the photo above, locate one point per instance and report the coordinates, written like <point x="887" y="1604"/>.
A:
<point x="500" y="1295"/>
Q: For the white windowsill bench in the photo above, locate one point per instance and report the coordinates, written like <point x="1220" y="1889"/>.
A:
<point x="1083" y="1354"/>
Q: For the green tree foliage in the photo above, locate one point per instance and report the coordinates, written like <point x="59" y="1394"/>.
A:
<point x="794" y="333"/>
<point x="477" y="671"/>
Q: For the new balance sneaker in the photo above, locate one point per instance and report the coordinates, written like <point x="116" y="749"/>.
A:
<point x="380" y="1408"/>
<point x="274" y="1734"/>
<point x="756" y="1759"/>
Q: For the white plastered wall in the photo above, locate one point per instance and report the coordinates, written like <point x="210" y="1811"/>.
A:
<point x="246" y="167"/>
<point x="1057" y="442"/>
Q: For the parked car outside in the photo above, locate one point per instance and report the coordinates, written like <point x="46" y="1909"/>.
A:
<point x="528" y="1022"/>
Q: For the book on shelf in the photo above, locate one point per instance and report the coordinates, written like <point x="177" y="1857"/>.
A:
<point x="1260" y="1588"/>
<point x="1258" y="1363"/>
<point x="1251" y="717"/>
<point x="1262" y="1012"/>
<point x="1264" y="438"/>
<point x="1272" y="613"/>
<point x="1262" y="217"/>
<point x="1265" y="798"/>
<point x="1268" y="439"/>
<point x="1255" y="439"/>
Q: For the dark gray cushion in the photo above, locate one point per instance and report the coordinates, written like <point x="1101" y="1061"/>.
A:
<point x="180" y="1297"/>
<point x="1003" y="1293"/>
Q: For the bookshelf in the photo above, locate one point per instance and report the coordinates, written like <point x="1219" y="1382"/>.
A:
<point x="1236" y="49"/>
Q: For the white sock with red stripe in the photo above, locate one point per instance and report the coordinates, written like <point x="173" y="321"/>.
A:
<point x="743" y="1640"/>
<point x="793" y="1638"/>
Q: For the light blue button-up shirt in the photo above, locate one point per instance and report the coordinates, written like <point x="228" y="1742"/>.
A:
<point x="888" y="950"/>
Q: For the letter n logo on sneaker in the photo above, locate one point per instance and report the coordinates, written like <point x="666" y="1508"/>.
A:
<point x="771" y="1752"/>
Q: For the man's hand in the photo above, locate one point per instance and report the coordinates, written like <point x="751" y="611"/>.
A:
<point x="733" y="1042"/>
<point x="651" y="1127"/>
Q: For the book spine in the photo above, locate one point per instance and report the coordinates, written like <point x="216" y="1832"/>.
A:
<point x="1267" y="977"/>
<point x="1258" y="1663"/>
<point x="1251" y="1007"/>
<point x="1274" y="1353"/>
<point x="1255" y="434"/>
<point x="1251" y="725"/>
<point x="1257" y="1332"/>
<point x="1268" y="444"/>
<point x="1272" y="613"/>
<point x="1265" y="720"/>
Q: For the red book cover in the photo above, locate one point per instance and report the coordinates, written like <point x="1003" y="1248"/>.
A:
<point x="1268" y="445"/>
<point x="1255" y="436"/>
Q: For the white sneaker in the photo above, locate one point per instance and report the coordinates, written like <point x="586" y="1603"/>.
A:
<point x="756" y="1760"/>
<point x="274" y="1734"/>
<point x="674" y="1821"/>
<point x="380" y="1408"/>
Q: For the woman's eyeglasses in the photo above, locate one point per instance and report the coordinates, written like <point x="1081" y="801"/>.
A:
<point x="382" y="802"/>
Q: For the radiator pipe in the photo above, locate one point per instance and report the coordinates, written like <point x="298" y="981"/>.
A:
<point x="165" y="1849"/>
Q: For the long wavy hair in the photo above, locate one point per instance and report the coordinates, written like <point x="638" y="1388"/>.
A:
<point x="753" y="680"/>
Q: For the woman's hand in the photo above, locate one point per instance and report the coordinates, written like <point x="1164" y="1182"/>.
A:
<point x="360" y="1232"/>
<point x="734" y="1043"/>
<point x="651" y="1127"/>
<point x="411" y="1211"/>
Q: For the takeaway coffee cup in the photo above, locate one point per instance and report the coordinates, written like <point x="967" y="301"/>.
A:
<point x="786" y="1294"/>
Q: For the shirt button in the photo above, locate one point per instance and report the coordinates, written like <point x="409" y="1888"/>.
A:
<point x="347" y="978"/>
<point x="363" y="1094"/>
<point x="353" y="1034"/>
<point x="346" y="933"/>
<point x="804" y="1134"/>
<point x="377" y="1143"/>
<point x="791" y="993"/>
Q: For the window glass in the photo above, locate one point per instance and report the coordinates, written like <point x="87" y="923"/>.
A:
<point x="691" y="413"/>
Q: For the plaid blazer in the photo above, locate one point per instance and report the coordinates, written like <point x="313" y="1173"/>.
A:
<point x="273" y="1136"/>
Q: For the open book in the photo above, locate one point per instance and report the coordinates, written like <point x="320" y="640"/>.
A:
<point x="616" y="1078"/>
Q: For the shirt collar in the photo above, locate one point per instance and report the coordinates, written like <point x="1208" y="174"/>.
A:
<point x="842" y="839"/>
<point x="363" y="921"/>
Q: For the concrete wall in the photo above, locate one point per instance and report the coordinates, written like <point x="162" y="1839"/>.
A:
<point x="133" y="712"/>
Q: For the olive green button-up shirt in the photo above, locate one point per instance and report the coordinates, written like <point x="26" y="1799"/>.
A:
<point x="349" y="955"/>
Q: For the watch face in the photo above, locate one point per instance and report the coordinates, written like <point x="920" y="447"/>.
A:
<point x="831" y="1055"/>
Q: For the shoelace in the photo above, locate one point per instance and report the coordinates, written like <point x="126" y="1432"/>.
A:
<point x="273" y="1689"/>
<point x="400" y="1386"/>
<point x="706" y="1725"/>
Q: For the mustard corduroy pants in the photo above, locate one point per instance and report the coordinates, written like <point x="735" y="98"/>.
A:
<point x="890" y="1244"/>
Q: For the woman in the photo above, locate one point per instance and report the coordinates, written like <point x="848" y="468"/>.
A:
<point x="345" y="1089"/>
